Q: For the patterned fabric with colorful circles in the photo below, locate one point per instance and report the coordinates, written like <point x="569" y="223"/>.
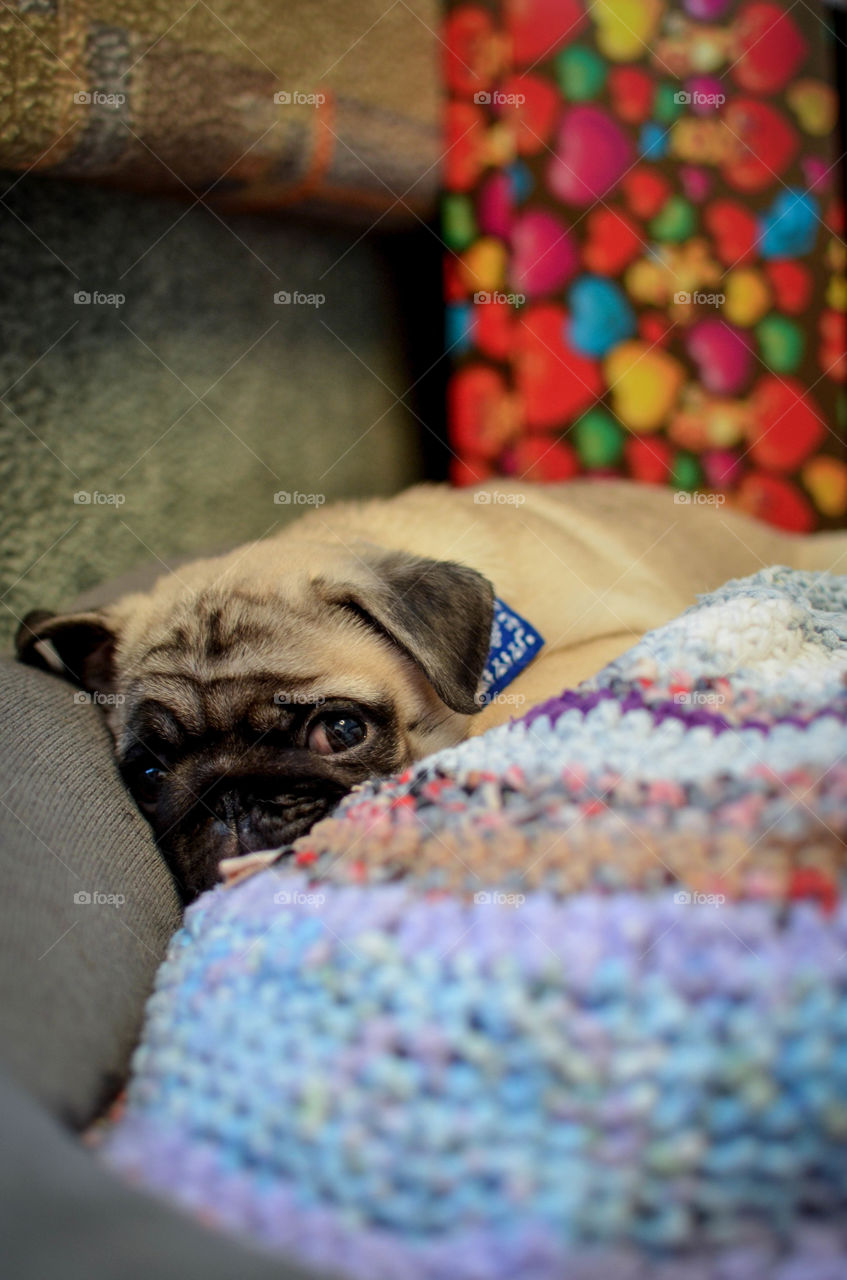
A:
<point x="645" y="271"/>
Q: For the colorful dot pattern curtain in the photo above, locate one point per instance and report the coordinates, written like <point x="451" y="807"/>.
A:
<point x="645" y="267"/>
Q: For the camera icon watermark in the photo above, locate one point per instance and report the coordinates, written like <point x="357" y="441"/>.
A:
<point x="699" y="698"/>
<point x="698" y="98"/>
<point x="297" y="98"/>
<point x="503" y="699"/>
<point x="497" y="898"/>
<point x="84" y="298"/>
<point x="291" y="698"/>
<point x="685" y="899"/>
<point x="294" y="898"/>
<point x="84" y="498"/>
<point x="83" y="699"/>
<point x="82" y="898"/>
<point x="293" y="498"/>
<point x="499" y="497"/>
<point x="698" y="498"/>
<point x="496" y="98"/>
<point x="484" y="297"/>
<point x="286" y="298"/>
<point x="98" y="99"/>
<point x="699" y="299"/>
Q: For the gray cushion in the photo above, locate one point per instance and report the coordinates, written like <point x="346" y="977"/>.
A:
<point x="102" y="399"/>
<point x="74" y="974"/>
<point x="73" y="980"/>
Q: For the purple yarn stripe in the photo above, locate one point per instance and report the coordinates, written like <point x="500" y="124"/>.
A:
<point x="666" y="709"/>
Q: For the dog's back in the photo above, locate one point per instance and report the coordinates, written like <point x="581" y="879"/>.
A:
<point x="599" y="557"/>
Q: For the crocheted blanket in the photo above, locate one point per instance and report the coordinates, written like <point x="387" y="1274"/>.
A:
<point x="567" y="1000"/>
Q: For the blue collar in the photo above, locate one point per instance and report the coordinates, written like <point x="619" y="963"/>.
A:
<point x="514" y="644"/>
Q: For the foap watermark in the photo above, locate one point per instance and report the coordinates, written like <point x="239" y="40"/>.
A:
<point x="293" y="498"/>
<point x="298" y="98"/>
<point x="82" y="898"/>
<point x="95" y="298"/>
<point x="498" y="898"/>
<point x="97" y="699"/>
<point x="699" y="299"/>
<point x="698" y="498"/>
<point x="291" y="698"/>
<point x="499" y="497"/>
<point x="496" y="98"/>
<point x="287" y="298"/>
<point x="686" y="899"/>
<point x="86" y="498"/>
<point x="98" y="99"/>
<point x="698" y="98"/>
<point x="296" y="898"/>
<point x="501" y="700"/>
<point x="699" y="698"/>
<point x="484" y="298"/>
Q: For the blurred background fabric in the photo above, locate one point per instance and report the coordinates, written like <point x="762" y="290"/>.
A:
<point x="185" y="409"/>
<point x="645" y="266"/>
<point x="331" y="106"/>
<point x="220" y="276"/>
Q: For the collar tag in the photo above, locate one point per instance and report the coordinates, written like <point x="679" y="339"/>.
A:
<point x="514" y="644"/>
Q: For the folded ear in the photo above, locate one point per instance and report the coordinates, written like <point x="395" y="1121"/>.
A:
<point x="438" y="612"/>
<point x="79" y="646"/>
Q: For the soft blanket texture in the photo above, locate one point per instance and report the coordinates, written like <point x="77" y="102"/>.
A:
<point x="569" y="999"/>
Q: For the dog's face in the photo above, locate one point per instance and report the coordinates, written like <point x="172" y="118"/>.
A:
<point x="248" y="697"/>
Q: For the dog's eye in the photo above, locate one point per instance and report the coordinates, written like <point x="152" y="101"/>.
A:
<point x="336" y="731"/>
<point x="147" y="784"/>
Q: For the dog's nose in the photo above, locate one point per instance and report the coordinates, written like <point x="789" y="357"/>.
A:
<point x="236" y="827"/>
<point x="227" y="807"/>
<point x="234" y="807"/>
<point x="252" y="814"/>
<point x="231" y="799"/>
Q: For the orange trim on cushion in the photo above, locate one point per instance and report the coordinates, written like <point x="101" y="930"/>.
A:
<point x="279" y="194"/>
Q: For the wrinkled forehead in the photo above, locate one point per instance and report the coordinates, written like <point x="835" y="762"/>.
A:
<point x="169" y="707"/>
<point x="218" y="660"/>
<point x="215" y="635"/>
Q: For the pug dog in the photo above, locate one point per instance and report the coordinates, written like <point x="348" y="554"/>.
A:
<point x="251" y="691"/>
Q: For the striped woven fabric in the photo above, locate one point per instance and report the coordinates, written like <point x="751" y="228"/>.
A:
<point x="569" y="999"/>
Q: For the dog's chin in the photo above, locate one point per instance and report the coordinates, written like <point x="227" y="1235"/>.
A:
<point x="195" y="857"/>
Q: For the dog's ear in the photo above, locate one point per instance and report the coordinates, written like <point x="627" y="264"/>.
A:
<point x="436" y="611"/>
<point x="79" y="646"/>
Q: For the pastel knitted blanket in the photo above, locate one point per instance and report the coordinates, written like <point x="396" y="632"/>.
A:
<point x="565" y="1002"/>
